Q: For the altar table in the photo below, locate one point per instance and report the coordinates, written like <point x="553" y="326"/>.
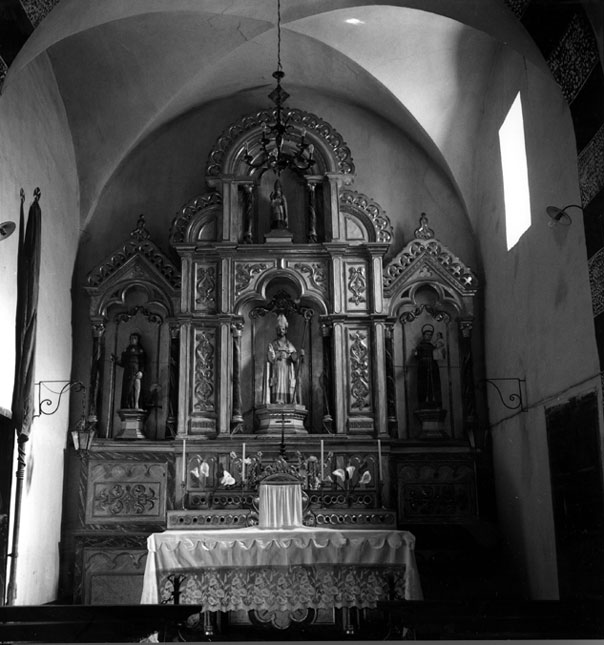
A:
<point x="281" y="569"/>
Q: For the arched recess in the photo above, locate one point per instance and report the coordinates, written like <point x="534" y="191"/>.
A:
<point x="310" y="184"/>
<point x="134" y="292"/>
<point x="291" y="293"/>
<point x="430" y="299"/>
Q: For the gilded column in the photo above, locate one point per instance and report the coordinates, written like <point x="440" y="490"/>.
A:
<point x="236" y="417"/>
<point x="173" y="377"/>
<point x="326" y="377"/>
<point x="467" y="379"/>
<point x="390" y="381"/>
<point x="248" y="218"/>
<point x="96" y="371"/>
<point x="312" y="211"/>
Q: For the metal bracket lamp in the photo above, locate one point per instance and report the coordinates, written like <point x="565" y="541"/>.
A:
<point x="83" y="432"/>
<point x="6" y="230"/>
<point x="281" y="147"/>
<point x="559" y="215"/>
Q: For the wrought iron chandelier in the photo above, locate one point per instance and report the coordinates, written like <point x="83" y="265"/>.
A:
<point x="281" y="146"/>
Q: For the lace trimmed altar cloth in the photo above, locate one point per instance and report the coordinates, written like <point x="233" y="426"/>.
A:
<point x="281" y="569"/>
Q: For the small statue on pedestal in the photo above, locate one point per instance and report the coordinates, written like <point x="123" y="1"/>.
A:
<point x="278" y="207"/>
<point x="430" y="412"/>
<point x="131" y="414"/>
<point x="282" y="410"/>
<point x="429" y="393"/>
<point x="133" y="362"/>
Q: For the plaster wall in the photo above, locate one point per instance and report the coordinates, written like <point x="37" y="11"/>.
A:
<point x="36" y="151"/>
<point x="168" y="169"/>
<point x="537" y="309"/>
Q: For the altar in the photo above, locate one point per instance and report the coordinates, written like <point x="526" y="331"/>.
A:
<point x="281" y="569"/>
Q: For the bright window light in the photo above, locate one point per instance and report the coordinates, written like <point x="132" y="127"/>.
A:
<point x="515" y="174"/>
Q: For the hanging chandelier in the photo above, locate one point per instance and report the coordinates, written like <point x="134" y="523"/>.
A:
<point x="280" y="146"/>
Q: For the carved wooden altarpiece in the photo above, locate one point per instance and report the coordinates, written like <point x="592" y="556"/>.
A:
<point x="352" y="431"/>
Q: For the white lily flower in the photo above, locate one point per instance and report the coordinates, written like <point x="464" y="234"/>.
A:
<point x="339" y="473"/>
<point x="350" y="470"/>
<point x="227" y="479"/>
<point x="365" y="477"/>
<point x="205" y="469"/>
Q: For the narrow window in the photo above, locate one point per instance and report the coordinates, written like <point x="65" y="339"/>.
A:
<point x="515" y="174"/>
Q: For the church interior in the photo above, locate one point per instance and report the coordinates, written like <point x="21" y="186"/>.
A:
<point x="337" y="259"/>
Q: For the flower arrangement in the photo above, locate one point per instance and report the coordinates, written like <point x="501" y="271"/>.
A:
<point x="214" y="473"/>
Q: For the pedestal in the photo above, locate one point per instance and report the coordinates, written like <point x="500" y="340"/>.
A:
<point x="133" y="422"/>
<point x="278" y="235"/>
<point x="274" y="419"/>
<point x="433" y="423"/>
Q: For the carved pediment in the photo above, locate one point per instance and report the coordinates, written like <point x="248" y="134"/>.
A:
<point x="428" y="260"/>
<point x="137" y="262"/>
<point x="138" y="251"/>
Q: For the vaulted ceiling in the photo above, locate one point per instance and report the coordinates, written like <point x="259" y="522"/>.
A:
<point x="126" y="69"/>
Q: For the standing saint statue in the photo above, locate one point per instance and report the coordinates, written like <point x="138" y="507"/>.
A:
<point x="429" y="393"/>
<point x="278" y="207"/>
<point x="282" y="358"/>
<point x="133" y="362"/>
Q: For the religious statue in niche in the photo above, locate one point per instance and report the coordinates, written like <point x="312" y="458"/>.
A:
<point x="428" y="352"/>
<point x="278" y="207"/>
<point x="281" y="409"/>
<point x="282" y="366"/>
<point x="132" y="360"/>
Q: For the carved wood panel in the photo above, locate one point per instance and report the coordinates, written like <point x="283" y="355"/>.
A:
<point x="125" y="492"/>
<point x="356" y="281"/>
<point x="206" y="280"/>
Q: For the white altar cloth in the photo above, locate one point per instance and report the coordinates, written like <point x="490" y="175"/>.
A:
<point x="281" y="569"/>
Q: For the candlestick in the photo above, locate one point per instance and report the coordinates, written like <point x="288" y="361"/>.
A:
<point x="321" y="459"/>
<point x="243" y="463"/>
<point x="184" y="461"/>
<point x="380" y="472"/>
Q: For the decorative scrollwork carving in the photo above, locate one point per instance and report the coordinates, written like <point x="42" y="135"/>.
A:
<point x="204" y="372"/>
<point x="411" y="315"/>
<point x="357" y="285"/>
<point x="369" y="210"/>
<point x="138" y="243"/>
<point x="316" y="272"/>
<point x="245" y="272"/>
<point x="282" y="303"/>
<point x="359" y="370"/>
<point x="195" y="207"/>
<point x="310" y="122"/>
<point x="206" y="285"/>
<point x="125" y="316"/>
<point x="125" y="499"/>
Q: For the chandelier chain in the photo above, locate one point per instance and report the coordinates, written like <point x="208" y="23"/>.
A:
<point x="279" y="66"/>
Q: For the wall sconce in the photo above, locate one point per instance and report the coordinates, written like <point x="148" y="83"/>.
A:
<point x="49" y="406"/>
<point x="559" y="215"/>
<point x="82" y="435"/>
<point x="6" y="230"/>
